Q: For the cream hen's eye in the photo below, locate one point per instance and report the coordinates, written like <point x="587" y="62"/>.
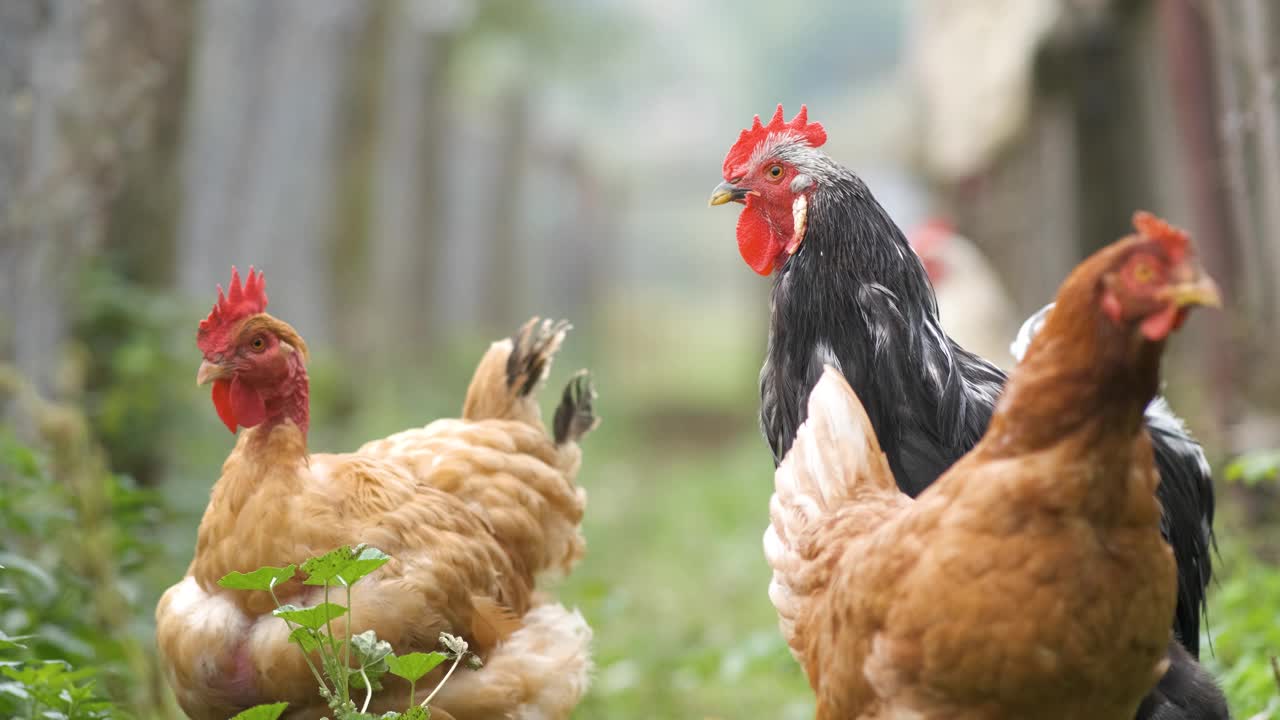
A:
<point x="258" y="344"/>
<point x="775" y="172"/>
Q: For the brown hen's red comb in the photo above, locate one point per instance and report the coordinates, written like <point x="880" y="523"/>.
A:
<point x="239" y="302"/>
<point x="750" y="138"/>
<point x="1175" y="240"/>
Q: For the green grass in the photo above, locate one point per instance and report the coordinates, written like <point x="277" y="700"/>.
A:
<point x="674" y="584"/>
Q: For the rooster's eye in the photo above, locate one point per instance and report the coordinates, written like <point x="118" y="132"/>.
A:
<point x="258" y="344"/>
<point x="775" y="172"/>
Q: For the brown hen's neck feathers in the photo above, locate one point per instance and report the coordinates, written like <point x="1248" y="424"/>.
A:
<point x="293" y="403"/>
<point x="289" y="399"/>
<point x="1082" y="374"/>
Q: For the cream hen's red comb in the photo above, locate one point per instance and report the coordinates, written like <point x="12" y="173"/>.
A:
<point x="1175" y="240"/>
<point x="740" y="153"/>
<point x="239" y="302"/>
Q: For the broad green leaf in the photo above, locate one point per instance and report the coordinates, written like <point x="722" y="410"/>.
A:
<point x="78" y="694"/>
<point x="262" y="712"/>
<point x="371" y="655"/>
<point x="413" y="666"/>
<point x="11" y="642"/>
<point x="305" y="638"/>
<point x="17" y="563"/>
<point x="343" y="566"/>
<point x="312" y="617"/>
<point x="369" y="649"/>
<point x="264" y="578"/>
<point x="45" y="673"/>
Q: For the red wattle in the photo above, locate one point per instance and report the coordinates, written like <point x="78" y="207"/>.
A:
<point x="247" y="404"/>
<point x="756" y="241"/>
<point x="222" y="403"/>
<point x="1157" y="327"/>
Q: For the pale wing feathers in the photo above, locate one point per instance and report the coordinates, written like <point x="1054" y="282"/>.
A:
<point x="835" y="461"/>
<point x="540" y="673"/>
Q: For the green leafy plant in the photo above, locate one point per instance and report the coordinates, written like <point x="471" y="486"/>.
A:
<point x="1255" y="468"/>
<point x="347" y="667"/>
<point x="78" y="543"/>
<point x="45" y="688"/>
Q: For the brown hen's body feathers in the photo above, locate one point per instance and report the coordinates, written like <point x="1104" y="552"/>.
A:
<point x="1044" y="539"/>
<point x="471" y="511"/>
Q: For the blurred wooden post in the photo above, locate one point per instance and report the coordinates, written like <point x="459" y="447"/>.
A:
<point x="1255" y="289"/>
<point x="262" y="149"/>
<point x="1258" y="21"/>
<point x="47" y="216"/>
<point x="411" y="172"/>
<point x="20" y="22"/>
<point x="1186" y="52"/>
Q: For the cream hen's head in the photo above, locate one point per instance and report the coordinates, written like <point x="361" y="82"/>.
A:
<point x="257" y="363"/>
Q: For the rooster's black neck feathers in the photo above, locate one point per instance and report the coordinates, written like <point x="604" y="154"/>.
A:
<point x="855" y="295"/>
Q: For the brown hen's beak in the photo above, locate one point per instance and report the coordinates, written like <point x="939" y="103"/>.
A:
<point x="210" y="371"/>
<point x="727" y="192"/>
<point x="1200" y="289"/>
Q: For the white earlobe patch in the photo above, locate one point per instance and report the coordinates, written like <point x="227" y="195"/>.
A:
<point x="799" y="221"/>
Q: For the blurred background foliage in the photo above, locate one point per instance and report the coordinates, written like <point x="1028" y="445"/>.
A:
<point x="417" y="177"/>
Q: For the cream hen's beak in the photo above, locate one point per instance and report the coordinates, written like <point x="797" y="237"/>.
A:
<point x="210" y="371"/>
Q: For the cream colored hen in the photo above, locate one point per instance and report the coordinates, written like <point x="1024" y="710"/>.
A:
<point x="470" y="510"/>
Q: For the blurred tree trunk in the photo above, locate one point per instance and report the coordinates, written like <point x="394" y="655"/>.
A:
<point x="142" y="216"/>
<point x="49" y="219"/>
<point x="262" y="149"/>
<point x="20" y="22"/>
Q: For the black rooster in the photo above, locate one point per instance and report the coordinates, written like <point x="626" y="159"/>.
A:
<point x="849" y="291"/>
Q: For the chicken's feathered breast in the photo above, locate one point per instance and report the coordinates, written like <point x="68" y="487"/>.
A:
<point x="1187" y="479"/>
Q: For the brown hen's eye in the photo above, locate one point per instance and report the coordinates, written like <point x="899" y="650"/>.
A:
<point x="1143" y="272"/>
<point x="775" y="172"/>
<point x="259" y="344"/>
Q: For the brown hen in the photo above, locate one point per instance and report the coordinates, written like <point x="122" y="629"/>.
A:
<point x="1031" y="579"/>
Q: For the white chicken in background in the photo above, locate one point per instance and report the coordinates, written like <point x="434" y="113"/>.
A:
<point x="976" y="310"/>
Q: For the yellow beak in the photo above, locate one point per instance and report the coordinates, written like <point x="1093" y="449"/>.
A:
<point x="1201" y="291"/>
<point x="210" y="371"/>
<point x="725" y="192"/>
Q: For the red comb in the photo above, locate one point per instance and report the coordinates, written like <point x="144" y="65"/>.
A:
<point x="741" y="151"/>
<point x="239" y="302"/>
<point x="1176" y="242"/>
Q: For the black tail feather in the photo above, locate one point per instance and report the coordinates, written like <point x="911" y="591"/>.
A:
<point x="575" y="416"/>
<point x="531" y="350"/>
